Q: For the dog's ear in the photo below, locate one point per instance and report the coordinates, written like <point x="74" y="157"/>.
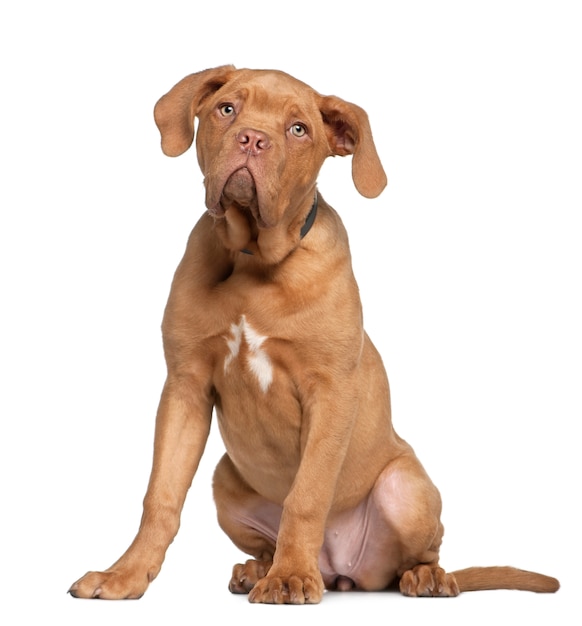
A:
<point x="174" y="113"/>
<point x="348" y="132"/>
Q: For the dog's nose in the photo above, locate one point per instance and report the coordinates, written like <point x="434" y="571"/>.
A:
<point x="253" y="141"/>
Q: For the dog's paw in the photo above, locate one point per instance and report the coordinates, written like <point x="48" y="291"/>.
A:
<point x="245" y="576"/>
<point x="272" y="589"/>
<point x="111" y="585"/>
<point x="428" y="581"/>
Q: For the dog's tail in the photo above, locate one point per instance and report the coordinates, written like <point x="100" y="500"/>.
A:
<point x="483" y="578"/>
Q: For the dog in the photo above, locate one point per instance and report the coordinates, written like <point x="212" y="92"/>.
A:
<point x="263" y="327"/>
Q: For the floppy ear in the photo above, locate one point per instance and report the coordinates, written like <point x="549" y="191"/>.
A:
<point x="174" y="113"/>
<point x="348" y="132"/>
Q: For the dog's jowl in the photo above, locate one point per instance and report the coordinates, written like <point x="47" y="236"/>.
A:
<point x="263" y="329"/>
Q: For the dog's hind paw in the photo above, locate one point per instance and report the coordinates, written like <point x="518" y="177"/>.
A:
<point x="245" y="576"/>
<point x="428" y="580"/>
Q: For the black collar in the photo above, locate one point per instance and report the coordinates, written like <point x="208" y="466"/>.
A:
<point x="309" y="220"/>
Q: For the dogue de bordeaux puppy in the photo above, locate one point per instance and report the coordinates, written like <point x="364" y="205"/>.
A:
<point x="264" y="327"/>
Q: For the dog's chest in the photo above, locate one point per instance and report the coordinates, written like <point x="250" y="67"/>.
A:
<point x="256" y="344"/>
<point x="246" y="356"/>
<point x="257" y="405"/>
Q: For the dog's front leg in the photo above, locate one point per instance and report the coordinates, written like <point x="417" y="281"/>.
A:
<point x="294" y="577"/>
<point x="182" y="427"/>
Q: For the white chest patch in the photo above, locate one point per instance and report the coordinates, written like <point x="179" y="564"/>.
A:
<point x="257" y="359"/>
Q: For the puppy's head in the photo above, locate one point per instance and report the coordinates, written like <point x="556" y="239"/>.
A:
<point x="261" y="140"/>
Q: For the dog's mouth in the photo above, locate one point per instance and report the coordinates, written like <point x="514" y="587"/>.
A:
<point x="240" y="189"/>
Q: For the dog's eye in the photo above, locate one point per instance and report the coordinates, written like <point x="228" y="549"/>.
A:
<point x="298" y="130"/>
<point x="227" y="110"/>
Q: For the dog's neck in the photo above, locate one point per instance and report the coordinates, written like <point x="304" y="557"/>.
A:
<point x="309" y="220"/>
<point x="239" y="233"/>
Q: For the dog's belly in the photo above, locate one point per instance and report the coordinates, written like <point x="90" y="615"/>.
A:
<point x="360" y="549"/>
<point x="354" y="541"/>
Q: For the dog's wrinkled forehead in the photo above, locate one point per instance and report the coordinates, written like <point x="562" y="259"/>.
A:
<point x="272" y="80"/>
<point x="268" y="90"/>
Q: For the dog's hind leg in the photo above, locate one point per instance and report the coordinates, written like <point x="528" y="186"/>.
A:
<point x="409" y="506"/>
<point x="249" y="520"/>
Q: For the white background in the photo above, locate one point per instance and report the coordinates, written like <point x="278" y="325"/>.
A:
<point x="469" y="267"/>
